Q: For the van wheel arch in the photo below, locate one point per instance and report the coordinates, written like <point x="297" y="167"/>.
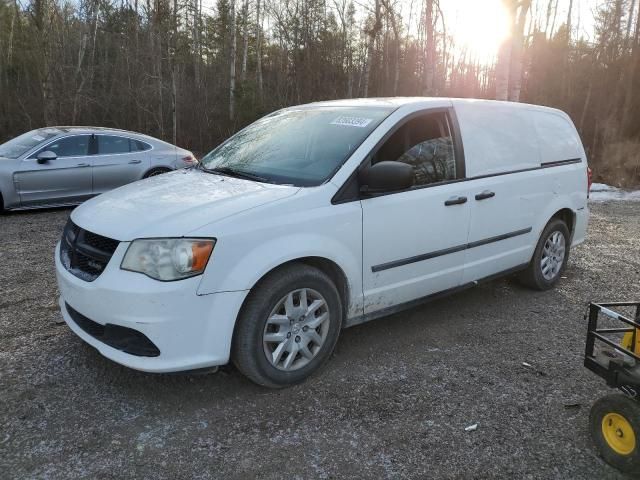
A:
<point x="328" y="267"/>
<point x="568" y="216"/>
<point x="250" y="332"/>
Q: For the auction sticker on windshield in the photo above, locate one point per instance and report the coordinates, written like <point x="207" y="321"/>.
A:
<point x="352" y="121"/>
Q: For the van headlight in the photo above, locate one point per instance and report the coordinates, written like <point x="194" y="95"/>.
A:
<point x="168" y="258"/>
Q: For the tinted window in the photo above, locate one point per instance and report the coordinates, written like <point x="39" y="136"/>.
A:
<point x="426" y="144"/>
<point x="25" y="142"/>
<point x="109" y="144"/>
<point x="138" y="146"/>
<point x="298" y="146"/>
<point x="76" y="146"/>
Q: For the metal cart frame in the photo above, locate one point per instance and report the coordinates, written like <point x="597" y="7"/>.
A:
<point x="614" y="371"/>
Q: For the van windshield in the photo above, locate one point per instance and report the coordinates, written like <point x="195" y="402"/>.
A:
<point x="302" y="147"/>
<point x="20" y="145"/>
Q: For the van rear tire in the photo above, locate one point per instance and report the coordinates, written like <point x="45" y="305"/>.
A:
<point x="288" y="327"/>
<point x="549" y="258"/>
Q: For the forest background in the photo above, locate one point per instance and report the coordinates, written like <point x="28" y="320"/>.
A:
<point x="193" y="73"/>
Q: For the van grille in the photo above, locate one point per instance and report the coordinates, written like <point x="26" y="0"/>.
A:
<point x="85" y="254"/>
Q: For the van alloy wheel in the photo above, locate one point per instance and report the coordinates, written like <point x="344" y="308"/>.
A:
<point x="553" y="255"/>
<point x="550" y="256"/>
<point x="296" y="329"/>
<point x="288" y="326"/>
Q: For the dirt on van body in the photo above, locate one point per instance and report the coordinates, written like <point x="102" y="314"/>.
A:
<point x="393" y="402"/>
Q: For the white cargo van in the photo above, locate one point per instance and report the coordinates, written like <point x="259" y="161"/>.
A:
<point x="316" y="218"/>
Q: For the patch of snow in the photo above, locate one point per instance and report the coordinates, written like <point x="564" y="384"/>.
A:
<point x="601" y="192"/>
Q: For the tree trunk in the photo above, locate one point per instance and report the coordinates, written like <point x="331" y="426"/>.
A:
<point x="548" y="18"/>
<point x="565" y="69"/>
<point x="14" y="13"/>
<point x="259" y="50"/>
<point x="569" y="12"/>
<point x="627" y="37"/>
<point x="196" y="43"/>
<point x="635" y="65"/>
<point x="503" y="68"/>
<point x="515" y="76"/>
<point x="172" y="59"/>
<point x="396" y="65"/>
<point x="430" y="53"/>
<point x="232" y="62"/>
<point x="245" y="40"/>
<point x="553" y="23"/>
<point x="372" y="33"/>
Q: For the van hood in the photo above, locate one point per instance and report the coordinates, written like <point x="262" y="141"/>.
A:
<point x="173" y="204"/>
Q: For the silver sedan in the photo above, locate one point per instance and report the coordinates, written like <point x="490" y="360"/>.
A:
<point x="60" y="166"/>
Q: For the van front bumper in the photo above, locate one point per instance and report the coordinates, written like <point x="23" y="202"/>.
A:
<point x="189" y="331"/>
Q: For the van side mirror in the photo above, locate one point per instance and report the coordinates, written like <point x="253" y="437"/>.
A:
<point x="47" y="155"/>
<point x="384" y="177"/>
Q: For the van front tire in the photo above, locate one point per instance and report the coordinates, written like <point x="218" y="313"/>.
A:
<point x="288" y="326"/>
<point x="549" y="258"/>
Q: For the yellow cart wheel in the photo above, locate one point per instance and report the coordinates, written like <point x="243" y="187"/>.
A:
<point x="615" y="429"/>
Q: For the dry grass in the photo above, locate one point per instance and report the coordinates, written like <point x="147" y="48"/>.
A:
<point x="619" y="164"/>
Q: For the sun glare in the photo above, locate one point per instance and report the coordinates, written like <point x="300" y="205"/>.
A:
<point x="479" y="27"/>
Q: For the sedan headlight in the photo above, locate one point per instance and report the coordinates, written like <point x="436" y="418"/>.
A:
<point x="168" y="258"/>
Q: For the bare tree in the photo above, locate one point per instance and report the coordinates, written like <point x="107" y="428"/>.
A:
<point x="245" y="40"/>
<point x="259" y="50"/>
<point x="232" y="63"/>
<point x="372" y="33"/>
<point x="515" y="74"/>
<point x="509" y="65"/>
<point x="430" y="51"/>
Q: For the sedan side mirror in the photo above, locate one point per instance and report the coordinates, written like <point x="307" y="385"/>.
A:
<point x="384" y="177"/>
<point x="47" y="155"/>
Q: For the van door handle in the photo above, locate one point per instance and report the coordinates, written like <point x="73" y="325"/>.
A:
<point x="455" y="201"/>
<point x="135" y="161"/>
<point x="82" y="165"/>
<point x="484" y="195"/>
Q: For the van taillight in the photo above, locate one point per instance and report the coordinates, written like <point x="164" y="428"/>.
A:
<point x="589" y="180"/>
<point x="189" y="159"/>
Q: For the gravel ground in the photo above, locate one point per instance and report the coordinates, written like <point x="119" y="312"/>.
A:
<point x="392" y="403"/>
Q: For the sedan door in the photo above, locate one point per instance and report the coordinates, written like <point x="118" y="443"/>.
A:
<point x="414" y="241"/>
<point x="66" y="179"/>
<point x="118" y="161"/>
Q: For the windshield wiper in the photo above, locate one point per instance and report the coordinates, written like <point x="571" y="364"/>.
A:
<point x="237" y="173"/>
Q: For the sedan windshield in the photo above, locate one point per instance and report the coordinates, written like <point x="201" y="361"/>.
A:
<point x="20" y="145"/>
<point x="301" y="147"/>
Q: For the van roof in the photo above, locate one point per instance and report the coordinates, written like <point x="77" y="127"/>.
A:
<point x="397" y="102"/>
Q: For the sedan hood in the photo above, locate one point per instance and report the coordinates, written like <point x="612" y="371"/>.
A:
<point x="173" y="204"/>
